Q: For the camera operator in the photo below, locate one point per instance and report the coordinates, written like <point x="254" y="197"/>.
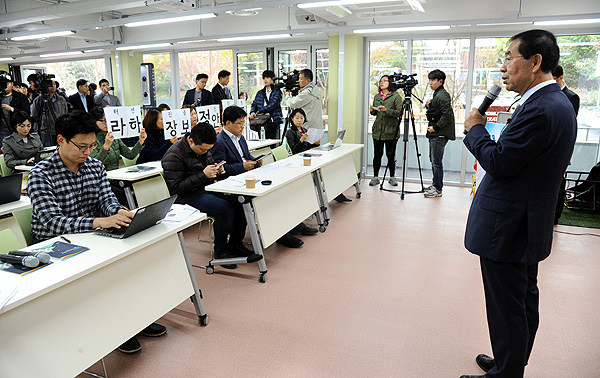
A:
<point x="309" y="99"/>
<point x="268" y="100"/>
<point x="441" y="129"/>
<point x="82" y="100"/>
<point x="199" y="96"/>
<point x="11" y="103"/>
<point x="104" y="98"/>
<point x="46" y="108"/>
<point x="387" y="107"/>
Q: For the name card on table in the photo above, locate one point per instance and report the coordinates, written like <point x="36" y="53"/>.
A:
<point x="210" y="114"/>
<point x="124" y="121"/>
<point x="176" y="123"/>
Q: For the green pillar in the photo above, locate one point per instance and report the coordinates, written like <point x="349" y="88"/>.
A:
<point x="132" y="82"/>
<point x="353" y="112"/>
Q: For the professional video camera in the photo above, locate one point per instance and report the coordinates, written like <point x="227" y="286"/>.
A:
<point x="43" y="81"/>
<point x="289" y="81"/>
<point x="5" y="78"/>
<point x="406" y="82"/>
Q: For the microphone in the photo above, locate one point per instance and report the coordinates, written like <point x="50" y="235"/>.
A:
<point x="42" y="256"/>
<point x="26" y="261"/>
<point x="489" y="98"/>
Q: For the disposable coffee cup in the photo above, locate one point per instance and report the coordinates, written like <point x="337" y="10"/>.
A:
<point x="250" y="181"/>
<point x="307" y="161"/>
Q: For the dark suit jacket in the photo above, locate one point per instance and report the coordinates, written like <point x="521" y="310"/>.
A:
<point x="512" y="214"/>
<point x="75" y="100"/>
<point x="219" y="94"/>
<point x="205" y="97"/>
<point x="20" y="103"/>
<point x="224" y="149"/>
<point x="573" y="97"/>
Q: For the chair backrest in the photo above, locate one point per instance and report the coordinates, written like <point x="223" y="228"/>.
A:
<point x="129" y="162"/>
<point x="8" y="241"/>
<point x="151" y="190"/>
<point x="280" y="152"/>
<point x="5" y="170"/>
<point x="23" y="218"/>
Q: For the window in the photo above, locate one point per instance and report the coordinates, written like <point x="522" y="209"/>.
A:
<point x="208" y="62"/>
<point x="67" y="73"/>
<point x="250" y="68"/>
<point x="162" y="76"/>
<point x="322" y="75"/>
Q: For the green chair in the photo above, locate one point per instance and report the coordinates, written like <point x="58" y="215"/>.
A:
<point x="8" y="241"/>
<point x="129" y="162"/>
<point x="23" y="218"/>
<point x="280" y="152"/>
<point x="5" y="170"/>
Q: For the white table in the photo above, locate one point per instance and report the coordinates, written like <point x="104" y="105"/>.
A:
<point x="10" y="222"/>
<point x="257" y="148"/>
<point x="124" y="178"/>
<point x="293" y="196"/>
<point x="69" y="315"/>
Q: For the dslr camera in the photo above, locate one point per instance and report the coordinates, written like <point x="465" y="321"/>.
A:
<point x="405" y="82"/>
<point x="289" y="81"/>
<point x="43" y="81"/>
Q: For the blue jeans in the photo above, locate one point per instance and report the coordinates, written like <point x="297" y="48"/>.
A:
<point x="228" y="214"/>
<point x="436" y="155"/>
<point x="48" y="140"/>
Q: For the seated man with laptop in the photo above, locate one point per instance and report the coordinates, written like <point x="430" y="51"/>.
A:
<point x="188" y="167"/>
<point x="70" y="193"/>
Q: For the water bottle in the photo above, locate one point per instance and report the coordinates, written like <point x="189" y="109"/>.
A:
<point x="262" y="133"/>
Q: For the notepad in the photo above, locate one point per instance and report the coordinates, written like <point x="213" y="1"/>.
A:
<point x="140" y="168"/>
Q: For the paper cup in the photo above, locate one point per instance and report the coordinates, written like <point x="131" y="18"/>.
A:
<point x="250" y="181"/>
<point x="307" y="161"/>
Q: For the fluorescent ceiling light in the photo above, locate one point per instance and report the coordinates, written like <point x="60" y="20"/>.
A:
<point x="322" y="4"/>
<point x="170" y="19"/>
<point x="61" y="54"/>
<point x="139" y="47"/>
<point x="568" y="22"/>
<point x="406" y="29"/>
<point x="43" y="35"/>
<point x="194" y="41"/>
<point x="505" y="23"/>
<point x="5" y="59"/>
<point x="92" y="51"/>
<point x="253" y="37"/>
<point x="338" y="11"/>
<point x="416" y="5"/>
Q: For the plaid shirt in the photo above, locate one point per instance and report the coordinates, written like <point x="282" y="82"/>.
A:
<point x="65" y="202"/>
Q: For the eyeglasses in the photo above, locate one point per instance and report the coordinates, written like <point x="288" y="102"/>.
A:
<point x="85" y="148"/>
<point x="509" y="59"/>
<point x="240" y="123"/>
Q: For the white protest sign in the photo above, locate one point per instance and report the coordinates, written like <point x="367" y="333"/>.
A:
<point x="210" y="114"/>
<point x="123" y="121"/>
<point x="176" y="122"/>
<point x="239" y="102"/>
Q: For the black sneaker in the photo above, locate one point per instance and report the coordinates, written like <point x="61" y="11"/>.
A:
<point x="290" y="241"/>
<point x="342" y="198"/>
<point x="154" y="330"/>
<point x="219" y="256"/>
<point x="130" y="346"/>
<point x="303" y="229"/>
<point x="238" y="250"/>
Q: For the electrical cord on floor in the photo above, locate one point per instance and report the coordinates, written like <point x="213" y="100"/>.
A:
<point x="573" y="233"/>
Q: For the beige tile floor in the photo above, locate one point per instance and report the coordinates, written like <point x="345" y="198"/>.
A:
<point x="387" y="291"/>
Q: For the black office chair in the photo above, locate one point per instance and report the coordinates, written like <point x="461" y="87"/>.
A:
<point x="583" y="193"/>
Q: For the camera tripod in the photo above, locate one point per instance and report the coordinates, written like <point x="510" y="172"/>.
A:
<point x="407" y="111"/>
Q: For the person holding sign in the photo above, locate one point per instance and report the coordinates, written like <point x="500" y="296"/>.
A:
<point x="109" y="149"/>
<point x="156" y="145"/>
<point x="297" y="134"/>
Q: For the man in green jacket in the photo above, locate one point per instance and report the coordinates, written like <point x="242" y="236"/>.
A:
<point x="441" y="129"/>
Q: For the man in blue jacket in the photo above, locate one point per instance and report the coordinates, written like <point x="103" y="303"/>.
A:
<point x="268" y="100"/>
<point x="510" y="221"/>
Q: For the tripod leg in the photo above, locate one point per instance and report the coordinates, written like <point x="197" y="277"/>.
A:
<point x="412" y="117"/>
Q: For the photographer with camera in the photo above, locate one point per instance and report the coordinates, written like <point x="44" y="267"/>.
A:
<point x="268" y="101"/>
<point x="199" y="96"/>
<point x="309" y="99"/>
<point x="104" y="98"/>
<point x="387" y="107"/>
<point x="441" y="129"/>
<point x="46" y="108"/>
<point x="11" y="102"/>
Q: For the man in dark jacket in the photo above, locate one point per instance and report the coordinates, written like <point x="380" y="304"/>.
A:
<point x="188" y="167"/>
<point x="268" y="100"/>
<point x="439" y="130"/>
<point x="199" y="96"/>
<point x="11" y="102"/>
<point x="82" y="100"/>
<point x="221" y="91"/>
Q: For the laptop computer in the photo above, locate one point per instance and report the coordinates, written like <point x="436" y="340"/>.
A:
<point x="11" y="188"/>
<point x="338" y="142"/>
<point x="144" y="218"/>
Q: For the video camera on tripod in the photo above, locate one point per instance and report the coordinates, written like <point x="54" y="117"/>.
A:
<point x="400" y="81"/>
<point x="289" y="81"/>
<point x="43" y="81"/>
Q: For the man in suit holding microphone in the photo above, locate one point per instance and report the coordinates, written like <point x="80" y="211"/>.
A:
<point x="510" y="221"/>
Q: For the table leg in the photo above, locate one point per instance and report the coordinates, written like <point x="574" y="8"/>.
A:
<point x="322" y="197"/>
<point x="357" y="186"/>
<point x="197" y="296"/>
<point x="262" y="265"/>
<point x="130" y="198"/>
